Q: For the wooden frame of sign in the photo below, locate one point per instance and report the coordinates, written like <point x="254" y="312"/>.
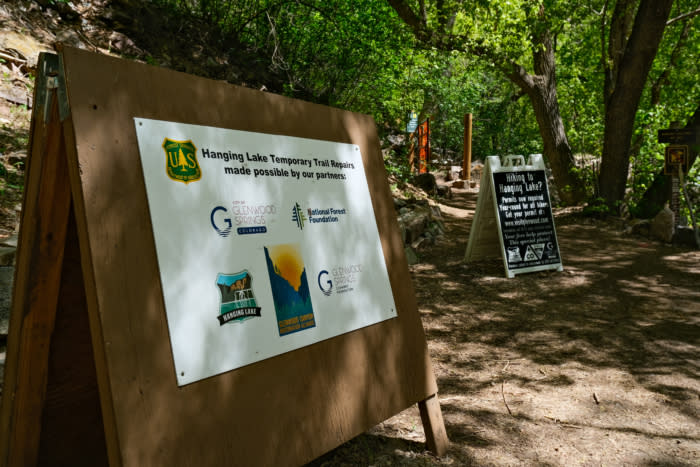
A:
<point x="90" y="378"/>
<point x="513" y="217"/>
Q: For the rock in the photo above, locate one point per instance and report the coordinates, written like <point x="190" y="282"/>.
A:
<point x="10" y="241"/>
<point x="18" y="217"/>
<point x="426" y="182"/>
<point x="415" y="223"/>
<point x="6" y="277"/>
<point x="16" y="159"/>
<point x="415" y="245"/>
<point x="399" y="203"/>
<point x="436" y="228"/>
<point x="458" y="184"/>
<point x="24" y="44"/>
<point x="685" y="236"/>
<point x="125" y="46"/>
<point x="444" y="191"/>
<point x="639" y="227"/>
<point x="411" y="256"/>
<point x="70" y="37"/>
<point x="7" y="255"/>
<point x="663" y="226"/>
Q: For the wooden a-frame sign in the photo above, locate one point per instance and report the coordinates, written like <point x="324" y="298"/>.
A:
<point x="513" y="217"/>
<point x="90" y="376"/>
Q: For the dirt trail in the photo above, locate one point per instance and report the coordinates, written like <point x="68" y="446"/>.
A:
<point x="596" y="365"/>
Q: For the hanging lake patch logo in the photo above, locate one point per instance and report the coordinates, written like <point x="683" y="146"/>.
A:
<point x="237" y="300"/>
<point x="181" y="161"/>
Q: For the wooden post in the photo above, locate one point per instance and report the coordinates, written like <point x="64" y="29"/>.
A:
<point x="412" y="153"/>
<point x="676" y="198"/>
<point x="433" y="425"/>
<point x="36" y="287"/>
<point x="467" y="159"/>
<point x="690" y="206"/>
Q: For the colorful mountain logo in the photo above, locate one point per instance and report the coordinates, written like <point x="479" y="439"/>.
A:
<point x="290" y="288"/>
<point x="181" y="161"/>
<point x="237" y="299"/>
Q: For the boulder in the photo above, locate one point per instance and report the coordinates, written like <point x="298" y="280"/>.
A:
<point x="444" y="191"/>
<point x="663" y="225"/>
<point x="685" y="236"/>
<point x="426" y="182"/>
<point x="411" y="256"/>
<point x="414" y="223"/>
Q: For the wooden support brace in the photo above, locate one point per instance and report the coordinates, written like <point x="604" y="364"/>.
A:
<point x="36" y="292"/>
<point x="433" y="425"/>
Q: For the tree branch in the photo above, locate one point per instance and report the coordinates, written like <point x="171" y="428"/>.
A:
<point x="683" y="16"/>
<point x="409" y="17"/>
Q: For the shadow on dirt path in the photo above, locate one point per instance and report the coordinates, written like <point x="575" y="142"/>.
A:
<point x="598" y="364"/>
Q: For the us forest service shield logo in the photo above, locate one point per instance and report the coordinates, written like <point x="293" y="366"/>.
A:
<point x="181" y="161"/>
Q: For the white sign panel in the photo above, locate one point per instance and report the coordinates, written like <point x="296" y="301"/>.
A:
<point x="265" y="243"/>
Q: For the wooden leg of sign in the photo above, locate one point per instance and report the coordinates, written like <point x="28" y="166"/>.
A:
<point x="36" y="291"/>
<point x="72" y="431"/>
<point x="433" y="425"/>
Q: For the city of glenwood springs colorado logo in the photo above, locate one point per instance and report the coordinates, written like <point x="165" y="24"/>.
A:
<point x="181" y="161"/>
<point x="237" y="300"/>
<point x="316" y="215"/>
<point x="248" y="217"/>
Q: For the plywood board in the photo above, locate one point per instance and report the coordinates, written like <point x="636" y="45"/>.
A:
<point x="285" y="410"/>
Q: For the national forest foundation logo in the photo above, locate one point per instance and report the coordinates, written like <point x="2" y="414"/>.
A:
<point x="181" y="161"/>
<point x="298" y="216"/>
<point x="237" y="300"/>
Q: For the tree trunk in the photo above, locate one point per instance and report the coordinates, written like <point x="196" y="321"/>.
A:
<point x="625" y="80"/>
<point x="541" y="88"/>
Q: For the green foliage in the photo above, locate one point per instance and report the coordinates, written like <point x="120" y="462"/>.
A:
<point x="596" y="207"/>
<point x="360" y="56"/>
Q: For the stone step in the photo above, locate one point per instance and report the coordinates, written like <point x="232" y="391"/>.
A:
<point x="8" y="248"/>
<point x="6" y="277"/>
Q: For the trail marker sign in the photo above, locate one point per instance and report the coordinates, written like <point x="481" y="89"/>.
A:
<point x="412" y="122"/>
<point x="182" y="298"/>
<point x="513" y="217"/>
<point x="676" y="157"/>
<point x="677" y="135"/>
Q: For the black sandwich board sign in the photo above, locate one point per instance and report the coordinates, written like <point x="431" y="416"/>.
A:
<point x="513" y="217"/>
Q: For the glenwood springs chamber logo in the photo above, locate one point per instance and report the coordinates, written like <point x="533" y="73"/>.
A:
<point x="237" y="299"/>
<point x="181" y="161"/>
<point x="340" y="279"/>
